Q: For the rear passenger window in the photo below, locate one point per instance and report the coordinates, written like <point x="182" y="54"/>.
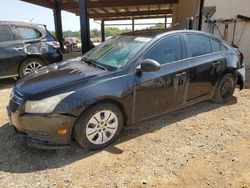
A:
<point x="28" y="33"/>
<point x="5" y="34"/>
<point x="197" y="45"/>
<point x="166" y="50"/>
<point x="216" y="46"/>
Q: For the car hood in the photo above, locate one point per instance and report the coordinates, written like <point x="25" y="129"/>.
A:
<point x="57" y="77"/>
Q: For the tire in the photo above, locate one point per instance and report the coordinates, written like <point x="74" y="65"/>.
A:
<point x="31" y="64"/>
<point x="225" y="89"/>
<point x="95" y="127"/>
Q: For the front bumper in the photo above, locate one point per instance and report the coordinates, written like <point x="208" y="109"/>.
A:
<point x="40" y="130"/>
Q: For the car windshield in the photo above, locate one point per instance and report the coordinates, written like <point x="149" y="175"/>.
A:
<point x="116" y="52"/>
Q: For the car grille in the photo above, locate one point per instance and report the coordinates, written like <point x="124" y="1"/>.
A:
<point x="15" y="102"/>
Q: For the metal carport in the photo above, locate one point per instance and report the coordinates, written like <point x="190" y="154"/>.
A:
<point x="106" y="10"/>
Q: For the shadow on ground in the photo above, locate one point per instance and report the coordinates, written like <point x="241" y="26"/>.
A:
<point x="17" y="157"/>
<point x="247" y="83"/>
<point x="7" y="83"/>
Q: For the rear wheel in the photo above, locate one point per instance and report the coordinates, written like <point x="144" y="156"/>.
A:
<point x="99" y="126"/>
<point x="30" y="65"/>
<point x="225" y="88"/>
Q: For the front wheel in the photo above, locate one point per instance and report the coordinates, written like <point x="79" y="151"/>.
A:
<point x="225" y="89"/>
<point x="99" y="126"/>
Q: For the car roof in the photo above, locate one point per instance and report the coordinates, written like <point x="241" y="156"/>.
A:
<point x="147" y="32"/>
<point x="17" y="23"/>
<point x="155" y="33"/>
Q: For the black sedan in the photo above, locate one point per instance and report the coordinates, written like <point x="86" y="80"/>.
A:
<point x="126" y="79"/>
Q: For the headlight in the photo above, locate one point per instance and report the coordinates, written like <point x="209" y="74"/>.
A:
<point x="45" y="105"/>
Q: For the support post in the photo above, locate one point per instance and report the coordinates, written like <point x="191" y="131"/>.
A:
<point x="165" y="26"/>
<point x="200" y="15"/>
<point x="190" y="23"/>
<point x="58" y="24"/>
<point x="84" y="25"/>
<point x="133" y="24"/>
<point x="103" y="30"/>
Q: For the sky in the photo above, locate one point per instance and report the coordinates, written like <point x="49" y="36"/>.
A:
<point x="15" y="10"/>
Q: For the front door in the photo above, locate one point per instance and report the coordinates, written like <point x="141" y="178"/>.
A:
<point x="157" y="92"/>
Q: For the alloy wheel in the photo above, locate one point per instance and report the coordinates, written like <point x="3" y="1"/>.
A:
<point x="102" y="127"/>
<point x="32" y="66"/>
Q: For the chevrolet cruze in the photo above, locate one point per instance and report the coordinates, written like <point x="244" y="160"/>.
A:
<point x="126" y="79"/>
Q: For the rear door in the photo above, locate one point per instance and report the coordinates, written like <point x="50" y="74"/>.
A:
<point x="205" y="65"/>
<point x="161" y="91"/>
<point x="31" y="38"/>
<point x="11" y="51"/>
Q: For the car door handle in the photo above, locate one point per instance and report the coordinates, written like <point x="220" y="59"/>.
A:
<point x="18" y="49"/>
<point x="180" y="74"/>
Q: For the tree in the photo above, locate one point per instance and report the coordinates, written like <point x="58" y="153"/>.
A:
<point x="94" y="33"/>
<point x="158" y="26"/>
<point x="113" y="31"/>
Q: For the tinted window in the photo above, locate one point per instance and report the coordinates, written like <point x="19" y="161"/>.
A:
<point x="166" y="50"/>
<point x="216" y="46"/>
<point x="28" y="33"/>
<point x="197" y="45"/>
<point x="5" y="34"/>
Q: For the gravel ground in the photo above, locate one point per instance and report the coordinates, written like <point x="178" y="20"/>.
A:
<point x="206" y="145"/>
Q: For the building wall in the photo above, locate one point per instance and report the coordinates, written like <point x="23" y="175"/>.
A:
<point x="183" y="10"/>
<point x="229" y="9"/>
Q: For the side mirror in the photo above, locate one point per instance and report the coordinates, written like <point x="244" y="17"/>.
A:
<point x="149" y="65"/>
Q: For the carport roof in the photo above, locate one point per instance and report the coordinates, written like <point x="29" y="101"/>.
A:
<point x="115" y="9"/>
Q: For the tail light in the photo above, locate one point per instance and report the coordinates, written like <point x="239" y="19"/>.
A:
<point x="54" y="44"/>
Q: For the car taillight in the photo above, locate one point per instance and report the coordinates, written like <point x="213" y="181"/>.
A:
<point x="54" y="44"/>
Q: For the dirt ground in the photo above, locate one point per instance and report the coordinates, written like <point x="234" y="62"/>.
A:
<point x="206" y="145"/>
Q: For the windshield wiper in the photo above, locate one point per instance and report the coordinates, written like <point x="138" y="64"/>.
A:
<point x="93" y="63"/>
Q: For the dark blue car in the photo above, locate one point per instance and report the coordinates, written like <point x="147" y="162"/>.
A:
<point x="25" y="47"/>
<point x="124" y="80"/>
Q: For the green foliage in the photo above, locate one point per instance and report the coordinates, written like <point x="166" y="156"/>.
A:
<point x="69" y="33"/>
<point x="113" y="31"/>
<point x="109" y="31"/>
<point x="158" y="26"/>
<point x="94" y="33"/>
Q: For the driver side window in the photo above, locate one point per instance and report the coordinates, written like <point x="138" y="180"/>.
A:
<point x="166" y="50"/>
